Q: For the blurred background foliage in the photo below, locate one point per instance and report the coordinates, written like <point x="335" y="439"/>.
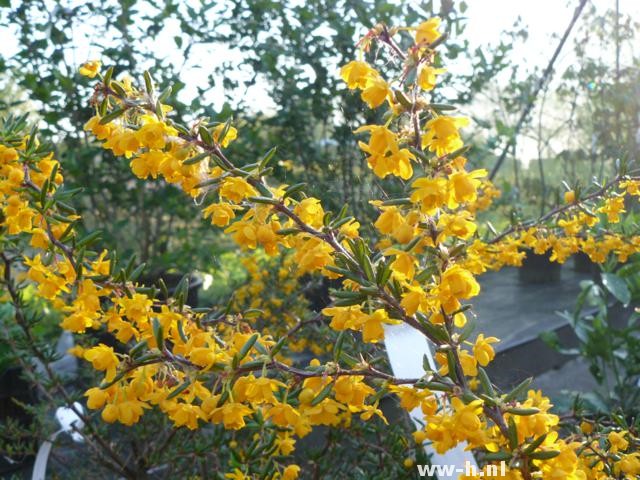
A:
<point x="246" y="51"/>
<point x="288" y="51"/>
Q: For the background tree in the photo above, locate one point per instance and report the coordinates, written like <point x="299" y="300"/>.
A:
<point x="290" y="53"/>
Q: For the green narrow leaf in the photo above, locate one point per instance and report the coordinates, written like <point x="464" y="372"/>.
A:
<point x="178" y="390"/>
<point x="165" y="94"/>
<point x="196" y="159"/>
<point x="544" y="455"/>
<point x="368" y="268"/>
<point x="138" y="348"/>
<point x="264" y="200"/>
<point x="148" y="82"/>
<point x="163" y="288"/>
<point x="247" y="346"/>
<point x="324" y="393"/>
<point x="107" y="76"/>
<point x="518" y="390"/>
<point x="337" y="348"/>
<point x="523" y="412"/>
<point x="512" y="434"/>
<point x="278" y="346"/>
<point x="137" y="271"/>
<point x="183" y="337"/>
<point x="617" y="286"/>
<point x="486" y="382"/>
<point x="225" y="131"/>
<point x="89" y="239"/>
<point x="293" y="189"/>
<point x="396" y="201"/>
<point x="267" y="158"/>
<point x="158" y="334"/>
<point x="535" y="444"/>
<point x="451" y="364"/>
<point x="113" y="115"/>
<point x="205" y="135"/>
<point x="118" y="88"/>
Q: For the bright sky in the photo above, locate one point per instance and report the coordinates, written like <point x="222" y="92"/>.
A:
<point x="546" y="21"/>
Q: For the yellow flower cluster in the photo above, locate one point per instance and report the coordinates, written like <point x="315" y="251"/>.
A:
<point x="214" y="366"/>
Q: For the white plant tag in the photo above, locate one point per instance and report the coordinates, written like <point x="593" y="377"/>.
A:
<point x="69" y="423"/>
<point x="406" y="348"/>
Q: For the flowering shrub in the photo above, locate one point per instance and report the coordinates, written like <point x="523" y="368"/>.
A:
<point x="230" y="365"/>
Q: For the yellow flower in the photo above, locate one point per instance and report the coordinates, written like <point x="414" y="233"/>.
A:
<point x="410" y="397"/>
<point x="483" y="351"/>
<point x="96" y="397"/>
<point x="102" y="357"/>
<point x="185" y="414"/>
<point x="404" y="264"/>
<point x="467" y="417"/>
<point x="236" y="189"/>
<point x="91" y="68"/>
<point x="389" y="220"/>
<point x="153" y="133"/>
<point x="78" y="321"/>
<point x="123" y="143"/>
<point x="586" y="427"/>
<point x="343" y="318"/>
<point x="291" y="472"/>
<point x="237" y="474"/>
<point x="261" y="390"/>
<point x="355" y="74"/>
<point x="231" y="414"/>
<point x="427" y="32"/>
<point x="456" y="283"/>
<point x="617" y="441"/>
<point x="629" y="464"/>
<point x="18" y="215"/>
<point x="385" y="155"/>
<point x="286" y="444"/>
<point x="464" y="186"/>
<point x="469" y="363"/>
<point x="76" y="351"/>
<point x="368" y="411"/>
<point x="136" y="308"/>
<point x="427" y="76"/>
<point x="312" y="254"/>
<point x="398" y="164"/>
<point x="459" y="225"/>
<point x="126" y="411"/>
<point x="372" y="330"/>
<point x="7" y="154"/>
<point x="148" y="164"/>
<point x="381" y="141"/>
<point x="430" y="193"/>
<point x="231" y="135"/>
<point x="102" y="132"/>
<point x="204" y="356"/>
<point x="310" y="212"/>
<point x="221" y="213"/>
<point x="413" y="300"/>
<point x="442" y="135"/>
<point x="283" y="415"/>
<point x="570" y="196"/>
<point x="350" y="229"/>
<point x="631" y="186"/>
<point x="375" y="91"/>
<point x="326" y="412"/>
<point x="613" y="207"/>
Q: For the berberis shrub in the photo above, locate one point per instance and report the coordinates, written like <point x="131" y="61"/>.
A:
<point x="234" y="368"/>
